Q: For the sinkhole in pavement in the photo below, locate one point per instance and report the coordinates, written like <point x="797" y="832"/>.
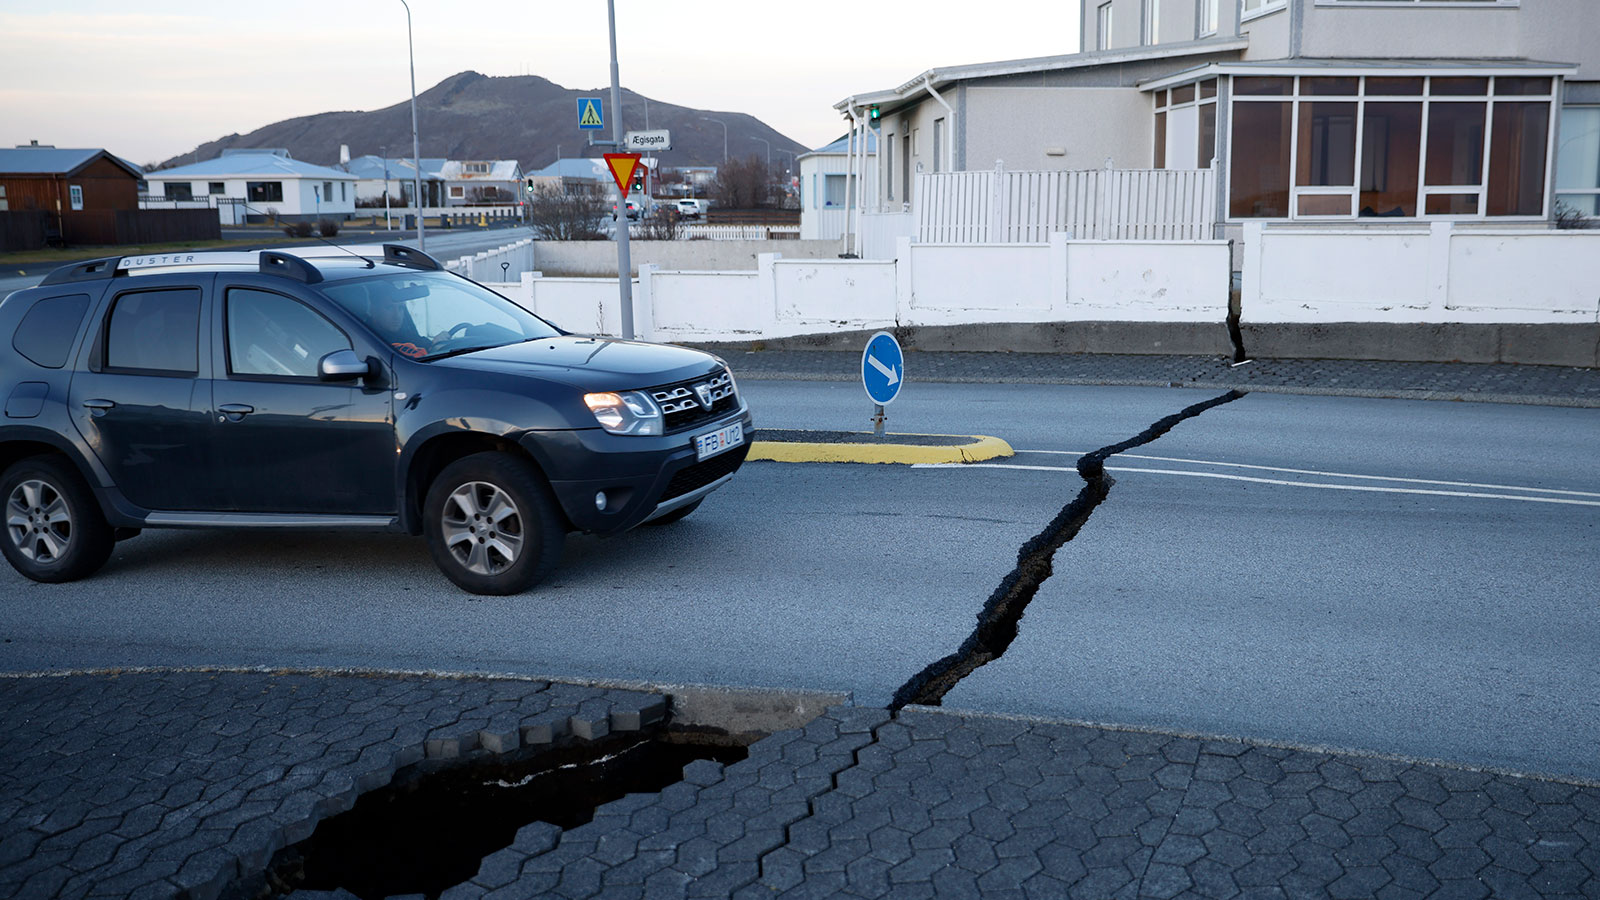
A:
<point x="430" y="831"/>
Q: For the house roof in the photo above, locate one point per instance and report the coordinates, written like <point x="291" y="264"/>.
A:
<point x="842" y="146"/>
<point x="371" y="168"/>
<point x="250" y="165"/>
<point x="936" y="78"/>
<point x="574" y="168"/>
<point x="1362" y="66"/>
<point x="54" y="161"/>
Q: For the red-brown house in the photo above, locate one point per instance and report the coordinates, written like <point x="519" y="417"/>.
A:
<point x="86" y="197"/>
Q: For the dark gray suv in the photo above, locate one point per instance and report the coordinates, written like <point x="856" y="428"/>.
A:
<point x="339" y="388"/>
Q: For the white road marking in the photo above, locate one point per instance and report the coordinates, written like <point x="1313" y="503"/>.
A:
<point x="1209" y="462"/>
<point x="1285" y="483"/>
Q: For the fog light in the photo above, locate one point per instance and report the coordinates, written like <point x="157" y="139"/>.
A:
<point x="600" y="501"/>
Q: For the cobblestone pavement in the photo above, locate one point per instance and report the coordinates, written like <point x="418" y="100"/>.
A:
<point x="174" y="784"/>
<point x="1502" y="383"/>
<point x="937" y="804"/>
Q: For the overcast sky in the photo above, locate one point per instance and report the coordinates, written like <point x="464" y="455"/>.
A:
<point x="151" y="79"/>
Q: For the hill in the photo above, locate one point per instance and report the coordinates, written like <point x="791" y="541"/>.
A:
<point x="475" y="116"/>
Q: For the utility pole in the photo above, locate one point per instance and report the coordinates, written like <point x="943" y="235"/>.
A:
<point x="624" y="260"/>
<point x="416" y="145"/>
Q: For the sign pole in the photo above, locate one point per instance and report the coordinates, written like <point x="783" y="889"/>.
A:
<point x="624" y="260"/>
<point x="883" y="371"/>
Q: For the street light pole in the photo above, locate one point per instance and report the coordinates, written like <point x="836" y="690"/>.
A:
<point x="416" y="145"/>
<point x="385" y="152"/>
<point x="724" y="135"/>
<point x="624" y="261"/>
<point x="769" y="149"/>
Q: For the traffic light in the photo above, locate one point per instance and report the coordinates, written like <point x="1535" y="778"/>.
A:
<point x="529" y="186"/>
<point x="872" y="113"/>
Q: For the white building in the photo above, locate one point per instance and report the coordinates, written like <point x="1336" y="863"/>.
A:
<point x="825" y="185"/>
<point x="264" y="183"/>
<point x="1359" y="111"/>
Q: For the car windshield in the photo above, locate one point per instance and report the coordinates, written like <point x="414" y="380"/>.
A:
<point x="428" y="315"/>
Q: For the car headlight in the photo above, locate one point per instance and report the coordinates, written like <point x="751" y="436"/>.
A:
<point x="625" y="412"/>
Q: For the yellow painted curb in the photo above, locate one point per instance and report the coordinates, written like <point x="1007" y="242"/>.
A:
<point x="982" y="447"/>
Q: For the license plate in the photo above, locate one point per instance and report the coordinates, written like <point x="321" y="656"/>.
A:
<point x="717" y="441"/>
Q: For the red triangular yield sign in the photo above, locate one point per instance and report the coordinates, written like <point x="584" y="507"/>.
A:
<point x="622" y="166"/>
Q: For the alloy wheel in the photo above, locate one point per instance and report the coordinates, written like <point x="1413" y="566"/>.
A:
<point x="482" y="528"/>
<point x="39" y="521"/>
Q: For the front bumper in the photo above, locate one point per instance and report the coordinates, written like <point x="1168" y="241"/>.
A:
<point x="641" y="477"/>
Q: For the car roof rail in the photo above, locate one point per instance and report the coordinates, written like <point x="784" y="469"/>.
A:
<point x="288" y="265"/>
<point x="88" y="270"/>
<point x="410" y="256"/>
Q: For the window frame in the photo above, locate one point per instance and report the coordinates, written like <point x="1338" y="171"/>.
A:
<point x="226" y="293"/>
<point x="1103" y="30"/>
<point x="1164" y="103"/>
<point x="1296" y="97"/>
<point x="266" y="189"/>
<point x="101" y="352"/>
<point x="1209" y="21"/>
<point x="1556" y="190"/>
<point x="1266" y="8"/>
<point x="1150" y="23"/>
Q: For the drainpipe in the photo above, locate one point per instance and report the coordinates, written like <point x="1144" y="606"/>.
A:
<point x="950" y="116"/>
<point x="860" y="192"/>
<point x="849" y="176"/>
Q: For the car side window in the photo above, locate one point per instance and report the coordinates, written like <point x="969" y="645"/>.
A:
<point x="276" y="336"/>
<point x="155" y="331"/>
<point x="46" y="332"/>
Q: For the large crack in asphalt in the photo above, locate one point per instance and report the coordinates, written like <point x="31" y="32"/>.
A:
<point x="1003" y="611"/>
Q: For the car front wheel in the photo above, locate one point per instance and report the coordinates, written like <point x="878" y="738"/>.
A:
<point x="54" y="528"/>
<point x="492" y="525"/>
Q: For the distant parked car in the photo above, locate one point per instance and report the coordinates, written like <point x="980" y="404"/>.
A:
<point x="634" y="210"/>
<point x="691" y="209"/>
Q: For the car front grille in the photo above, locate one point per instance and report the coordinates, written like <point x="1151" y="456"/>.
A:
<point x="698" y="475"/>
<point x="683" y="405"/>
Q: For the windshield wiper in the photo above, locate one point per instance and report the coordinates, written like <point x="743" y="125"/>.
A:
<point x="458" y="351"/>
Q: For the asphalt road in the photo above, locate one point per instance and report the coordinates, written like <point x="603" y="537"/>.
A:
<point x="1214" y="590"/>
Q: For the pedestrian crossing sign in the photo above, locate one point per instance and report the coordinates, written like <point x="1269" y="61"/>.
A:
<point x="589" y="115"/>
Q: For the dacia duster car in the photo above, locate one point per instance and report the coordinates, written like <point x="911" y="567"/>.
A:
<point x="359" y="387"/>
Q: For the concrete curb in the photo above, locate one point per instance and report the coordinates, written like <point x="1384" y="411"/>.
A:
<point x="973" y="448"/>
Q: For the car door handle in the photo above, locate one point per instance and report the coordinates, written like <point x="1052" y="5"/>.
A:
<point x="98" y="405"/>
<point x="235" y="411"/>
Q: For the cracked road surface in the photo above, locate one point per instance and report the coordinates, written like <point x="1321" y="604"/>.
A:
<point x="1429" y="625"/>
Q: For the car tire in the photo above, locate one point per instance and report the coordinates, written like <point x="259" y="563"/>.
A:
<point x="54" y="529"/>
<point x="677" y="515"/>
<point x="492" y="525"/>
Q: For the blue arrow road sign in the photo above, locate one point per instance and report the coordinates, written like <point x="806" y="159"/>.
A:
<point x="590" y="115"/>
<point x="883" y="368"/>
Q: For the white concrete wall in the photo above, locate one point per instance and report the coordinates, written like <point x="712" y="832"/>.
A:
<point x="1433" y="275"/>
<point x="1007" y="280"/>
<point x="1062" y="281"/>
<point x="834" y="293"/>
<point x="1147" y="281"/>
<point x="598" y="259"/>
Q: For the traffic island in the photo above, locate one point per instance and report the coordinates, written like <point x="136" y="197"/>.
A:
<point x="792" y="445"/>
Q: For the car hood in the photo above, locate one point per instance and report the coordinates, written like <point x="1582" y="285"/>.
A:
<point x="591" y="363"/>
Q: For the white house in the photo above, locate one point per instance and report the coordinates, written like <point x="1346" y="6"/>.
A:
<point x="1313" y="110"/>
<point x="376" y="175"/>
<point x="825" y="186"/>
<point x="265" y="183"/>
<point x="473" y="182"/>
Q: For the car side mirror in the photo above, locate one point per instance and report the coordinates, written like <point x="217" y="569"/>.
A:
<point x="341" y="365"/>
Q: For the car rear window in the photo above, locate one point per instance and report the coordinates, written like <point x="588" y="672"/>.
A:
<point x="47" y="330"/>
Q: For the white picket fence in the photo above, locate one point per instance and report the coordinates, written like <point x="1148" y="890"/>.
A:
<point x="1097" y="204"/>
